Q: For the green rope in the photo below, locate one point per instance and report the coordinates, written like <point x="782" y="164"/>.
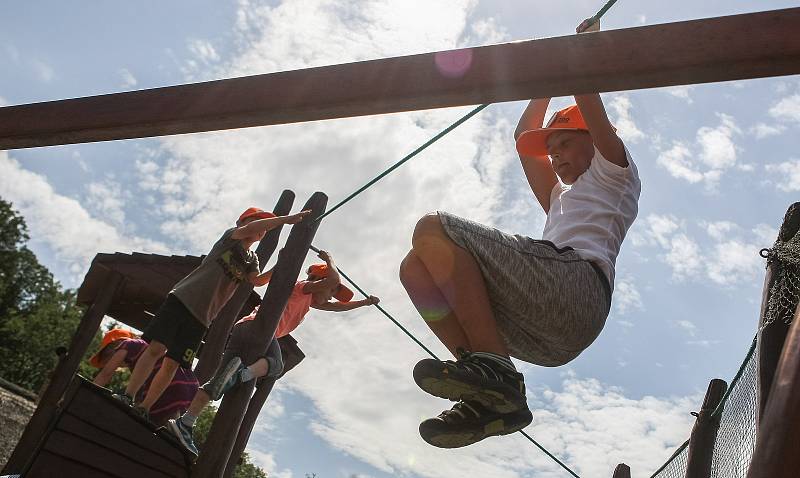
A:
<point x="436" y="138"/>
<point x="674" y="455"/>
<point x="411" y="336"/>
<point x="736" y="378"/>
<point x="409" y="156"/>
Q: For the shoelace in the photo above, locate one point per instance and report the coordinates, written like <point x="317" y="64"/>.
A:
<point x="473" y="364"/>
<point x="458" y="410"/>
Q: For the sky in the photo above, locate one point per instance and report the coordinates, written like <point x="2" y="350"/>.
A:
<point x="717" y="162"/>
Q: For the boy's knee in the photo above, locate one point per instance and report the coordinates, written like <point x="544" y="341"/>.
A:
<point x="428" y="226"/>
<point x="170" y="364"/>
<point x="156" y="349"/>
<point x="407" y="266"/>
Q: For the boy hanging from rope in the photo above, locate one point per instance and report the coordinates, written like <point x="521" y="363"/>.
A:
<point x="182" y="320"/>
<point x="488" y="295"/>
<point x="321" y="285"/>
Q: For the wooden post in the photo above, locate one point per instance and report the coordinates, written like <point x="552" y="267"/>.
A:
<point x="750" y="45"/>
<point x="622" y="471"/>
<point x="704" y="432"/>
<point x="292" y="356"/>
<point x="218" y="446"/>
<point x="217" y="335"/>
<point x="776" y="453"/>
<point x="62" y="376"/>
<point x="772" y="337"/>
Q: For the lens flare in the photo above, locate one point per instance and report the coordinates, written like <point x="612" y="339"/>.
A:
<point x="454" y="63"/>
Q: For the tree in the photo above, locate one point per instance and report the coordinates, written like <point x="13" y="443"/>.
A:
<point x="245" y="469"/>
<point x="36" y="314"/>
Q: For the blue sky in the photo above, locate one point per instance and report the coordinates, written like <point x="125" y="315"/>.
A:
<point x="719" y="165"/>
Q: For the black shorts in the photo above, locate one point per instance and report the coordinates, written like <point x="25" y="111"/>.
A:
<point x="176" y="328"/>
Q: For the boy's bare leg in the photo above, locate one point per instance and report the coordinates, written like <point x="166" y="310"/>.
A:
<point x="199" y="402"/>
<point x="160" y="382"/>
<point x="457" y="276"/>
<point x="144" y="367"/>
<point x="431" y="304"/>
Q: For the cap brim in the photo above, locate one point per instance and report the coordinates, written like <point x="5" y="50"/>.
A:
<point x="534" y="142"/>
<point x="343" y="294"/>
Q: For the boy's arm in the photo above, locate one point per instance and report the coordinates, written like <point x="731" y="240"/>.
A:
<point x="345" y="306"/>
<point x="594" y="113"/>
<point x="262" y="279"/>
<point x="105" y="375"/>
<point x="329" y="282"/>
<point x="263" y="225"/>
<point x="538" y="171"/>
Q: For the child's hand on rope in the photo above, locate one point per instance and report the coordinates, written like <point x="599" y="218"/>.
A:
<point x="588" y="25"/>
<point x="324" y="256"/>
<point x="372" y="300"/>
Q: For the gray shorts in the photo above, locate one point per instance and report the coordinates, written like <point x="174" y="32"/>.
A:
<point x="549" y="303"/>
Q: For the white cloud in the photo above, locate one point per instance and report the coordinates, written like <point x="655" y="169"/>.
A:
<point x="43" y="70"/>
<point x="787" y="109"/>
<point x="763" y="130"/>
<point x="626" y="296"/>
<point x="713" y="153"/>
<point x="266" y="461"/>
<point x="61" y="223"/>
<point x="620" y="106"/>
<point x="730" y="257"/>
<point x="688" y="326"/>
<point x="787" y="175"/>
<point x="107" y="200"/>
<point x="641" y="19"/>
<point x="3" y="101"/>
<point x="128" y="80"/>
<point x="681" y="92"/>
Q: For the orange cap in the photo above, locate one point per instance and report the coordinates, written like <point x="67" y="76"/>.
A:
<point x="256" y="213"/>
<point x="342" y="294"/>
<point x="108" y="338"/>
<point x="534" y="142"/>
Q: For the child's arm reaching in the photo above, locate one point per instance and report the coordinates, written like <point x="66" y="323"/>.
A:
<point x="262" y="279"/>
<point x="263" y="225"/>
<point x="345" y="306"/>
<point x="105" y="375"/>
<point x="591" y="106"/>
<point x="538" y="171"/>
<point x="329" y="282"/>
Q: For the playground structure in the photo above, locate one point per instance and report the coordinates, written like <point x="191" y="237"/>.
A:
<point x="736" y="47"/>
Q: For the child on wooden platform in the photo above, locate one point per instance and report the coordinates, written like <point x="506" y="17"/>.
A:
<point x="121" y="349"/>
<point x="321" y="285"/>
<point x="182" y="320"/>
<point x="488" y="295"/>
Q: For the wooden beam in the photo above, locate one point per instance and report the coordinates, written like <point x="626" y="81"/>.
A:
<point x="217" y="335"/>
<point x="622" y="471"/>
<point x="772" y="337"/>
<point x="704" y="432"/>
<point x="752" y="45"/>
<point x="62" y="376"/>
<point x="219" y="443"/>
<point x="775" y="455"/>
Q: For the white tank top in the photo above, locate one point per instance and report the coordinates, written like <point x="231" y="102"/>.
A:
<point x="593" y="215"/>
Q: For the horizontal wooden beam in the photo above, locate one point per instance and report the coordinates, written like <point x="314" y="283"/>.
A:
<point x="752" y="45"/>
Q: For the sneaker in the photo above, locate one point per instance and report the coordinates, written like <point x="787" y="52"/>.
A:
<point x="226" y="379"/>
<point x="123" y="398"/>
<point x="474" y="379"/>
<point x="183" y="433"/>
<point x="469" y="422"/>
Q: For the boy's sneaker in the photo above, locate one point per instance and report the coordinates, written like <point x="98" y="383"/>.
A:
<point x="473" y="378"/>
<point x="123" y="398"/>
<point x="469" y="422"/>
<point x="225" y="380"/>
<point x="183" y="433"/>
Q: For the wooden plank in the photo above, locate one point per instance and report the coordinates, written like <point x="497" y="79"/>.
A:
<point x="67" y="468"/>
<point x="121" y="444"/>
<point x="752" y="45"/>
<point x="704" y="432"/>
<point x="115" y="462"/>
<point x="772" y="337"/>
<point x="62" y="376"/>
<point x="622" y="471"/>
<point x="217" y="335"/>
<point x="776" y="453"/>
<point x="221" y="437"/>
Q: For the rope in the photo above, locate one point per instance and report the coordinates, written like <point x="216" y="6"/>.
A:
<point x="436" y="138"/>
<point x="411" y="336"/>
<point x="717" y="411"/>
<point x="674" y="455"/>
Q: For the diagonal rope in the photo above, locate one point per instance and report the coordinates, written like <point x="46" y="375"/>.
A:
<point x="411" y="336"/>
<point x="439" y="136"/>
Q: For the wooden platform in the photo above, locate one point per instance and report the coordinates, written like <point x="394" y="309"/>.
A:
<point x="95" y="436"/>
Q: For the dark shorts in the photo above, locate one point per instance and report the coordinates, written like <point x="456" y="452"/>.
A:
<point x="176" y="328"/>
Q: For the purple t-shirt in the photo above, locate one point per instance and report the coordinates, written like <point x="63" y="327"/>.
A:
<point x="178" y="394"/>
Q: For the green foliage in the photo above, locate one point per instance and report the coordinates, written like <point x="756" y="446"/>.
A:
<point x="36" y="314"/>
<point x="246" y="469"/>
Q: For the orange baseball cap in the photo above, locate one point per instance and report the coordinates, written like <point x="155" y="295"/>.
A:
<point x="342" y="294"/>
<point x="534" y="142"/>
<point x="108" y="338"/>
<point x="256" y="213"/>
